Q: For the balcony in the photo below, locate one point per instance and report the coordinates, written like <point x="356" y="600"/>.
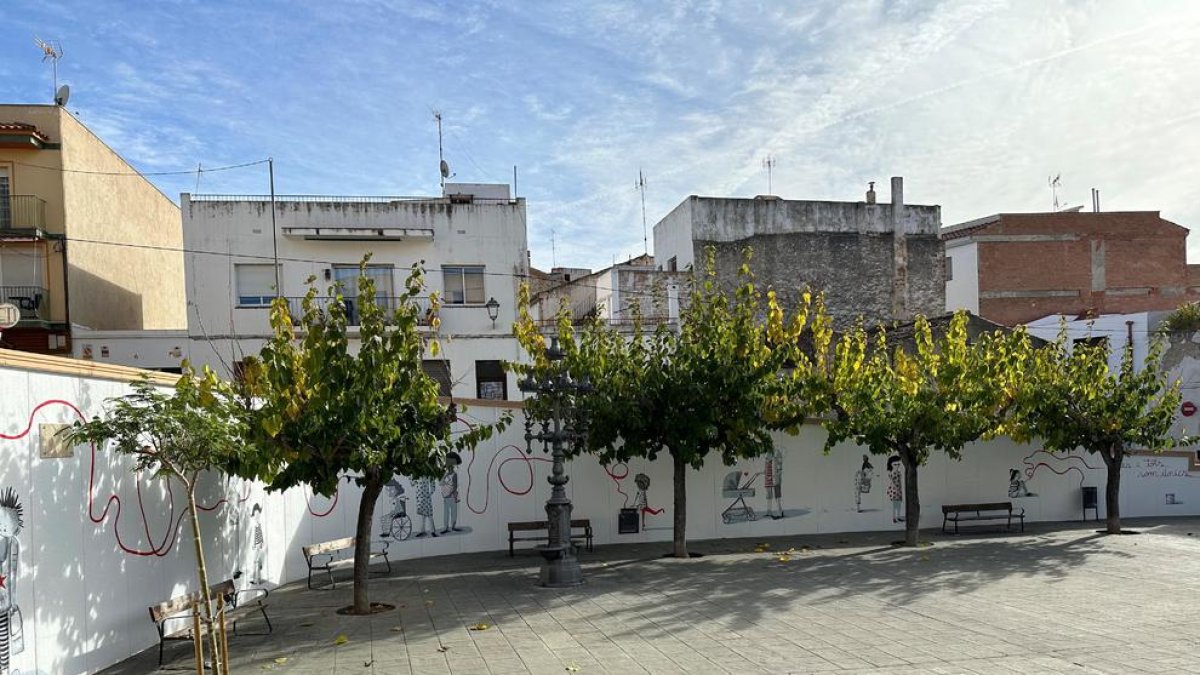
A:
<point x="22" y="212"/>
<point x="33" y="301"/>
<point x="389" y="304"/>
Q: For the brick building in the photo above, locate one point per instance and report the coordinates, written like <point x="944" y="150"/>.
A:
<point x="1012" y="268"/>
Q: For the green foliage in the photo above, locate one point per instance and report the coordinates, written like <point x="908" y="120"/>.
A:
<point x="179" y="434"/>
<point x="941" y="393"/>
<point x="1184" y="318"/>
<point x="326" y="410"/>
<point x="1073" y="399"/>
<point x="716" y="385"/>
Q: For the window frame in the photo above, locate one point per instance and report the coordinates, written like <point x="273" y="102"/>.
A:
<point x="461" y="271"/>
<point x="264" y="301"/>
<point x="500" y="377"/>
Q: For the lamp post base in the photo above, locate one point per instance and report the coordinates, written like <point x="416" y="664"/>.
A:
<point x="560" y="569"/>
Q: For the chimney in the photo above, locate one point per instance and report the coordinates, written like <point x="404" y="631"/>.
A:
<point x="900" y="253"/>
<point x="898" y="193"/>
<point x="673" y="305"/>
<point x="871" y="192"/>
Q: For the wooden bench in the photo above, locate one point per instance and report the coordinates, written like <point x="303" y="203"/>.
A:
<point x="956" y="513"/>
<point x="330" y="555"/>
<point x="173" y="618"/>
<point x="543" y="526"/>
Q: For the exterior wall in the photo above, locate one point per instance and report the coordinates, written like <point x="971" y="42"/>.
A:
<point x="119" y="287"/>
<point x="962" y="287"/>
<point x="238" y="230"/>
<point x="673" y="237"/>
<point x="152" y="350"/>
<point x="848" y="250"/>
<point x="1035" y="264"/>
<point x="122" y="561"/>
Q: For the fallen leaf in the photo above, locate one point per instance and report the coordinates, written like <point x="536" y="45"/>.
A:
<point x="443" y="648"/>
<point x="281" y="660"/>
<point x="306" y="624"/>
<point x="784" y="558"/>
<point x="429" y="603"/>
<point x="573" y="668"/>
<point x="341" y="640"/>
<point x="479" y="626"/>
<point x="397" y="629"/>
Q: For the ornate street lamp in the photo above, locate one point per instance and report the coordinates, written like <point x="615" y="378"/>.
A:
<point x="493" y="310"/>
<point x="559" y="422"/>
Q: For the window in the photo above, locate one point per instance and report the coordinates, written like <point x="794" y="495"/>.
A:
<point x="949" y="268"/>
<point x="5" y="204"/>
<point x="490" y="381"/>
<point x="438" y="369"/>
<point x="346" y="277"/>
<point x="463" y="285"/>
<point x="672" y="264"/>
<point x="255" y="285"/>
<point x="1092" y="341"/>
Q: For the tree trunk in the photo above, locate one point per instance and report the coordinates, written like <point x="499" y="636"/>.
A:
<point x="202" y="571"/>
<point x="362" y="542"/>
<point x="912" y="499"/>
<point x="680" y="530"/>
<point x="1113" y="458"/>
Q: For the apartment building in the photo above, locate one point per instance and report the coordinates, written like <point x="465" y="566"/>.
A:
<point x="1013" y="268"/>
<point x="471" y="241"/>
<point x="616" y="294"/>
<point x="84" y="239"/>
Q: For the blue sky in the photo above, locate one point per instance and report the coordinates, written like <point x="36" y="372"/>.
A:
<point x="975" y="103"/>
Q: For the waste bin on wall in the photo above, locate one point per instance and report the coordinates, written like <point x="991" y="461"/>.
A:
<point x="627" y="521"/>
<point x="1091" y="500"/>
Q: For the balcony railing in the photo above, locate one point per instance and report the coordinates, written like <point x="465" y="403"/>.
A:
<point x="22" y="212"/>
<point x="33" y="301"/>
<point x="389" y="304"/>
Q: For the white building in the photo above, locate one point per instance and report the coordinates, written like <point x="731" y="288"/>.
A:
<point x="471" y="242"/>
<point x="612" y="293"/>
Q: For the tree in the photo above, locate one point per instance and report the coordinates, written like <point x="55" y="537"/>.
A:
<point x="326" y="410"/>
<point x="176" y="436"/>
<point x="1074" y="399"/>
<point x="939" y="393"/>
<point x="713" y="385"/>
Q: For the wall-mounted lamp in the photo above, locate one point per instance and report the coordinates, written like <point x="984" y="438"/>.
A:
<point x="493" y="309"/>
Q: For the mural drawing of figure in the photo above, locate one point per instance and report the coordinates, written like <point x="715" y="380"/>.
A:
<point x="258" y="544"/>
<point x="773" y="483"/>
<point x="425" y="488"/>
<point x="640" y="501"/>
<point x="895" y="488"/>
<point x="1016" y="485"/>
<point x="862" y="481"/>
<point x="395" y="521"/>
<point x="12" y="637"/>
<point x="450" y="494"/>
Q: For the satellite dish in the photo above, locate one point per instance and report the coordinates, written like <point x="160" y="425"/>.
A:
<point x="10" y="314"/>
<point x="62" y="95"/>
<point x="445" y="169"/>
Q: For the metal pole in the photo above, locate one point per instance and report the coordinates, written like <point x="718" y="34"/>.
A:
<point x="274" y="234"/>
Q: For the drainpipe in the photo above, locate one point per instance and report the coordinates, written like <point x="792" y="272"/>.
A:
<point x="66" y="290"/>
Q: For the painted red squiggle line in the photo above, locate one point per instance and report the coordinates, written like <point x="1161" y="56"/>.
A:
<point x="241" y="500"/>
<point x="332" y="505"/>
<point x="168" y="538"/>
<point x="487" y="495"/>
<point x="617" y="479"/>
<point x="1033" y="469"/>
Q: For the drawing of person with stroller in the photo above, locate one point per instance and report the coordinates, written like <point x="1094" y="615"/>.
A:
<point x="773" y="483"/>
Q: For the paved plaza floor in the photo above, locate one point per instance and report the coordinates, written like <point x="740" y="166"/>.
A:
<point x="1058" y="599"/>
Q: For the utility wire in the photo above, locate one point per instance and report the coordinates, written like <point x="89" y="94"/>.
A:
<point x="142" y="173"/>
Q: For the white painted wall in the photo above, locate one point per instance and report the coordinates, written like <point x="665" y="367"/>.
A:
<point x="87" y="569"/>
<point x="150" y="349"/>
<point x="673" y="237"/>
<point x="1111" y="326"/>
<point x="962" y="291"/>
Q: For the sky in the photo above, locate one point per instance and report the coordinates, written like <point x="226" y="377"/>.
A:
<point x="975" y="103"/>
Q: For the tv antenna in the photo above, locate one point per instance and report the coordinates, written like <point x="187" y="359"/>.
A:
<point x="769" y="164"/>
<point x="1055" y="183"/>
<point x="641" y="187"/>
<point x="443" y="166"/>
<point x="52" y="50"/>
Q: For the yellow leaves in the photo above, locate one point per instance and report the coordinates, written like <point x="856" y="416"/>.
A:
<point x="479" y="627"/>
<point x="340" y="640"/>
<point x="435" y="348"/>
